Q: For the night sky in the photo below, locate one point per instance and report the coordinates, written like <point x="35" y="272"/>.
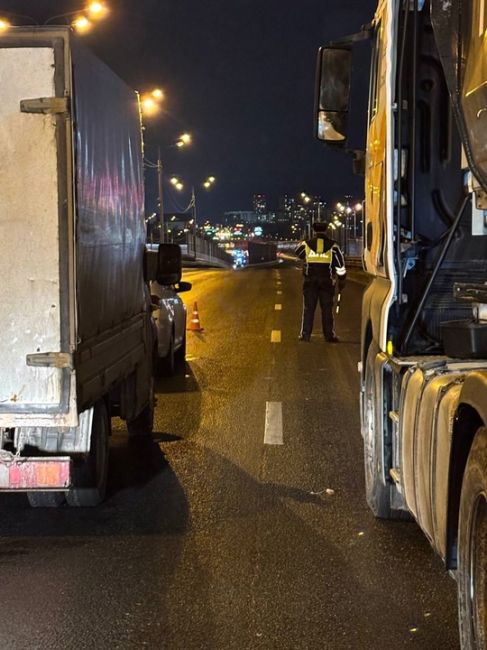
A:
<point x="238" y="75"/>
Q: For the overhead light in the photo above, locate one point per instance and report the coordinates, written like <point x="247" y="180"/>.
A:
<point x="81" y="24"/>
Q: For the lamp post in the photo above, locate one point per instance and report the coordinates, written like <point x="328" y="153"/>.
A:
<point x="207" y="184"/>
<point x="150" y="106"/>
<point x="82" y="19"/>
<point x="160" y="182"/>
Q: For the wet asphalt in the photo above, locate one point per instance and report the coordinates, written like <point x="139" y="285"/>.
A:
<point x="211" y="539"/>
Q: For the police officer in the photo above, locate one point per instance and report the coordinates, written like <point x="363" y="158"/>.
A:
<point x="324" y="267"/>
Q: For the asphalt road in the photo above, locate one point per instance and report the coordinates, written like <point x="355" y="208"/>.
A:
<point x="210" y="538"/>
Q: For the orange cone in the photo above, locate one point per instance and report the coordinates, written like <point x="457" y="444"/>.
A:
<point x="194" y="323"/>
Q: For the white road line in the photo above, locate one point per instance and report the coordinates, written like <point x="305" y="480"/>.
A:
<point x="273" y="424"/>
<point x="276" y="336"/>
<point x="278" y="307"/>
<point x="279" y="293"/>
<point x="278" y="283"/>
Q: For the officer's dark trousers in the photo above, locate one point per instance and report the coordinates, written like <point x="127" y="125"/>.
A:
<point x="315" y="289"/>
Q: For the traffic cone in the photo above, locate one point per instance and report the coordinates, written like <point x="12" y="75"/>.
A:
<point x="194" y="323"/>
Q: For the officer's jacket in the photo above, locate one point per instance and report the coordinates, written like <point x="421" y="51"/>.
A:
<point x="323" y="258"/>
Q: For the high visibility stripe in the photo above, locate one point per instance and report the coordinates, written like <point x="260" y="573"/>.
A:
<point x="315" y="257"/>
<point x="320" y="246"/>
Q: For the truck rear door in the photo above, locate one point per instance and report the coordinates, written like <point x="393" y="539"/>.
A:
<point x="35" y="320"/>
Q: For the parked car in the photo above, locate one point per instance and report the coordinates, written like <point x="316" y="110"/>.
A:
<point x="169" y="311"/>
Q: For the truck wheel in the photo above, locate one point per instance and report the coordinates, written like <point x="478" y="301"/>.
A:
<point x="472" y="548"/>
<point x="143" y="424"/>
<point x="46" y="499"/>
<point x="378" y="495"/>
<point x="89" y="478"/>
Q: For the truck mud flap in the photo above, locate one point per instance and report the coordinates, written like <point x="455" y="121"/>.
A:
<point x="27" y="474"/>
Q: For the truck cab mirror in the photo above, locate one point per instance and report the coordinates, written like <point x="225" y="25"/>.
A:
<point x="169" y="264"/>
<point x="333" y="78"/>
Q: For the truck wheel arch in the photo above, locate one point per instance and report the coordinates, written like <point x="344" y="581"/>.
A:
<point x="471" y="415"/>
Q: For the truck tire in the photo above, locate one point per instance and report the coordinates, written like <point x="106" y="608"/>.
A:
<point x="143" y="424"/>
<point x="378" y="495"/>
<point x="472" y="548"/>
<point x="46" y="499"/>
<point x="89" y="478"/>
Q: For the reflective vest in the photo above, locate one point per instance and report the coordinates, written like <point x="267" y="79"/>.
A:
<point x="319" y="256"/>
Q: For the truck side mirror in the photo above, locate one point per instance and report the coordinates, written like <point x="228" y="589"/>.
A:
<point x="169" y="264"/>
<point x="333" y="79"/>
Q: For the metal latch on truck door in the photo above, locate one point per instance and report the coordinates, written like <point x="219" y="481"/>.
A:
<point x="50" y="360"/>
<point x="46" y="105"/>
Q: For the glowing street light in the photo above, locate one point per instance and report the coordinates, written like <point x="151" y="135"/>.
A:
<point x="97" y="10"/>
<point x="185" y="138"/>
<point x="179" y="186"/>
<point x="81" y="24"/>
<point x="358" y="207"/>
<point x="150" y="101"/>
<point x="209" y="182"/>
<point x="149" y="106"/>
<point x="174" y="180"/>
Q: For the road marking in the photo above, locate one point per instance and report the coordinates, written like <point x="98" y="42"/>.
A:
<point x="278" y="307"/>
<point x="276" y="336"/>
<point x="273" y="424"/>
<point x="279" y="293"/>
<point x="278" y="283"/>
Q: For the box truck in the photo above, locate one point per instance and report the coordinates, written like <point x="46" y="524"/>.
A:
<point x="76" y="334"/>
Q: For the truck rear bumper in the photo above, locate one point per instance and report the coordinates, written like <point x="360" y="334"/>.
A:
<point x="32" y="473"/>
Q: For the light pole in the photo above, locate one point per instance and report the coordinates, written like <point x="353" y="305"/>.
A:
<point x="82" y="19"/>
<point x="182" y="141"/>
<point x="207" y="184"/>
<point x="150" y="106"/>
<point x="161" y="196"/>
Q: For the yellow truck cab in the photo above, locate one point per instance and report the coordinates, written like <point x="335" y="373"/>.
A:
<point x="424" y="316"/>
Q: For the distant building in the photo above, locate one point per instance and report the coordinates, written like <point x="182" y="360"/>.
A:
<point x="244" y="217"/>
<point x="260" y="206"/>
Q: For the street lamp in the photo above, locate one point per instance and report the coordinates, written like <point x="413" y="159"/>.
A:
<point x="97" y="10"/>
<point x="150" y="102"/>
<point x="174" y="180"/>
<point x="81" y="24"/>
<point x="81" y="20"/>
<point x="183" y="140"/>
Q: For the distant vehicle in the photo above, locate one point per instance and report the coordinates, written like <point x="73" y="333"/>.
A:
<point x="239" y="258"/>
<point x="261" y="252"/>
<point x="168" y="312"/>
